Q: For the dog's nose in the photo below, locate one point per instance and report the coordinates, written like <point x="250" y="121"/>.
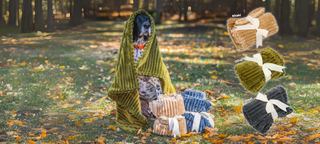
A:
<point x="147" y="25"/>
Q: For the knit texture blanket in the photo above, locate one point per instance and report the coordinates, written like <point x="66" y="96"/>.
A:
<point x="124" y="89"/>
<point x="195" y="101"/>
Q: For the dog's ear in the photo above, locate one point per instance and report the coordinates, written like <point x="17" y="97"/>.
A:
<point x="135" y="32"/>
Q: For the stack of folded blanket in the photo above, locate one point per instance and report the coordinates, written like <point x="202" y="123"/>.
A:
<point x="196" y="107"/>
<point x="168" y="110"/>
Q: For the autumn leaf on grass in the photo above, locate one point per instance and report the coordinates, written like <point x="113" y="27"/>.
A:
<point x="22" y="64"/>
<point x="261" y="137"/>
<point x="62" y="67"/>
<point x="78" y="124"/>
<point x="264" y="142"/>
<point x="113" y="128"/>
<point x="174" y="140"/>
<point x="139" y="132"/>
<point x="280" y="46"/>
<point x="100" y="140"/>
<point x="147" y="134"/>
<point x="113" y="112"/>
<point x="44" y="134"/>
<point x="112" y="70"/>
<point x="1" y="93"/>
<point x="186" y="135"/>
<point x="43" y="120"/>
<point x="222" y="135"/>
<point x="20" y="123"/>
<point x="31" y="142"/>
<point x="13" y="111"/>
<point x="18" y="139"/>
<point x="214" y="77"/>
<point x="149" y="130"/>
<point x="311" y="137"/>
<point x="238" y="109"/>
<point x="293" y="121"/>
<point x="211" y="131"/>
<point x="239" y="138"/>
<point x="217" y="141"/>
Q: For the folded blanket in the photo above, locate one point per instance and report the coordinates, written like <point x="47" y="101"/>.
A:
<point x="252" y="74"/>
<point x="243" y="39"/>
<point x="194" y="94"/>
<point x="168" y="110"/>
<point x="256" y="114"/>
<point x="196" y="107"/>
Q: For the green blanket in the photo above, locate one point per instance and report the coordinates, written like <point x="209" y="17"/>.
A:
<point x="124" y="89"/>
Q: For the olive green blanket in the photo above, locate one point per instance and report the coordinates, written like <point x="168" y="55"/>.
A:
<point x="124" y="89"/>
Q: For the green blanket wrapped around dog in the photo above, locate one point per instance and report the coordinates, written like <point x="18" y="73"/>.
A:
<point x="125" y="86"/>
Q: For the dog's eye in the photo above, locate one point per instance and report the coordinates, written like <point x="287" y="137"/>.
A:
<point x="138" y="19"/>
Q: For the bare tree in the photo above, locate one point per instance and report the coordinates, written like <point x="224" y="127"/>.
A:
<point x="76" y="17"/>
<point x="303" y="18"/>
<point x="2" y="21"/>
<point x="39" y="20"/>
<point x="50" y="24"/>
<point x="284" y="18"/>
<point x="27" y="17"/>
<point x="12" y="13"/>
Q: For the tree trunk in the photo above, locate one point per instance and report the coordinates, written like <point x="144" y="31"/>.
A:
<point x="303" y="18"/>
<point x="146" y="5"/>
<point x="277" y="10"/>
<point x="267" y="6"/>
<point x="61" y="7"/>
<point x="17" y="13"/>
<point x="50" y="17"/>
<point x="157" y="19"/>
<point x="39" y="20"/>
<point x="180" y="10"/>
<point x="311" y="12"/>
<point x="135" y="4"/>
<point x="12" y="13"/>
<point x="203" y="11"/>
<point x="318" y="20"/>
<point x="245" y="11"/>
<point x="185" y="10"/>
<point x="2" y="22"/>
<point x="284" y="26"/>
<point x="27" y="17"/>
<point x="71" y="10"/>
<point x="5" y="7"/>
<point x="76" y="18"/>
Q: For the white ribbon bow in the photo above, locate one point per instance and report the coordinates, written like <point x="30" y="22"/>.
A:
<point x="255" y="25"/>
<point x="270" y="105"/>
<point x="173" y="124"/>
<point x="266" y="67"/>
<point x="197" y="118"/>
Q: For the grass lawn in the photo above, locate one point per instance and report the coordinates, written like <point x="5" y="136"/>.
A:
<point x="50" y="84"/>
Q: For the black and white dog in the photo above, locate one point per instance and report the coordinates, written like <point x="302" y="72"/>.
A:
<point x="149" y="86"/>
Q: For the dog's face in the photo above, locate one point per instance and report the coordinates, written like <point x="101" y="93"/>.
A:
<point x="142" y="26"/>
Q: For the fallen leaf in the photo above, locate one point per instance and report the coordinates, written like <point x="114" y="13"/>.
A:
<point x="113" y="112"/>
<point x="238" y="109"/>
<point x="112" y="70"/>
<point x="139" y="132"/>
<point x="218" y="141"/>
<point x="22" y="64"/>
<point x="149" y="130"/>
<point x="211" y="131"/>
<point x="31" y="134"/>
<point x="214" y="77"/>
<point x="85" y="92"/>
<point x="44" y="134"/>
<point x="147" y="134"/>
<point x="18" y="139"/>
<point x="186" y="135"/>
<point x="62" y="67"/>
<point x="280" y="46"/>
<point x="78" y="124"/>
<point x="174" y="140"/>
<point x="264" y="142"/>
<point x="311" y="137"/>
<point x="222" y="135"/>
<point x="31" y="142"/>
<point x="113" y="128"/>
<point x="43" y="120"/>
<point x="13" y="111"/>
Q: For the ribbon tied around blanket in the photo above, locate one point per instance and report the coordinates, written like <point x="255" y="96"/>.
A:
<point x="270" y="105"/>
<point x="197" y="118"/>
<point x="255" y="25"/>
<point x="266" y="67"/>
<point x="173" y="124"/>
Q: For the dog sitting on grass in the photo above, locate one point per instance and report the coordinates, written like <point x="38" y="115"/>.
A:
<point x="149" y="86"/>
